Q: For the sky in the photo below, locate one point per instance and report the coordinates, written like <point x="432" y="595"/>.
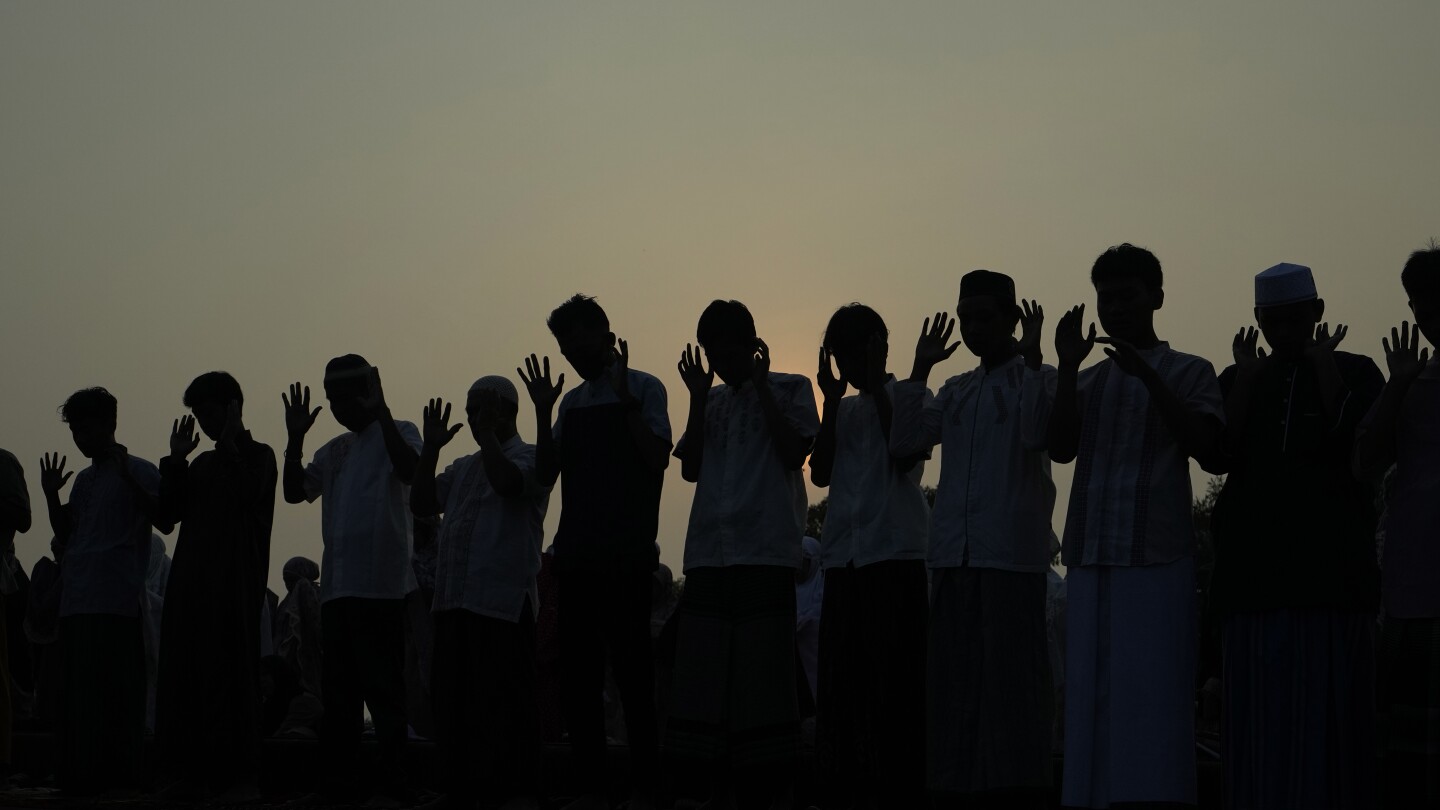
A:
<point x="257" y="187"/>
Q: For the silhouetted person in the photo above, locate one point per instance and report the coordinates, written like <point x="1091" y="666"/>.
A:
<point x="1131" y="423"/>
<point x="610" y="441"/>
<point x="207" y="714"/>
<point x="105" y="531"/>
<point x="1404" y="429"/>
<point x="298" y="645"/>
<point x="363" y="477"/>
<point x="809" y="608"/>
<point x="42" y="631"/>
<point x="152" y="611"/>
<point x="870" y="704"/>
<point x="14" y="517"/>
<point x="483" y="677"/>
<point x="1295" y="582"/>
<point x="735" y="711"/>
<point x="989" y="686"/>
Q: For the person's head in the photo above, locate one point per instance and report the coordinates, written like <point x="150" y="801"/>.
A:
<point x="848" y="336"/>
<point x="727" y="333"/>
<point x="1129" y="287"/>
<point x="347" y="382"/>
<point x="492" y="400"/>
<point x="582" y="329"/>
<point x="297" y="569"/>
<point x="987" y="311"/>
<point x="209" y="397"/>
<point x="1421" y="279"/>
<point x="1287" y="308"/>
<point x="91" y="414"/>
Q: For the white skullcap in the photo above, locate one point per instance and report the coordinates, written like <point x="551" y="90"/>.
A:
<point x="500" y="385"/>
<point x="1284" y="283"/>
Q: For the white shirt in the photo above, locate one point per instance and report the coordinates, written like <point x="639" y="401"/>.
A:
<point x="875" y="512"/>
<point x="365" y="519"/>
<point x="489" y="544"/>
<point x="1131" y="501"/>
<point x="643" y="387"/>
<point x="749" y="509"/>
<point x="994" y="503"/>
<point x="108" y="554"/>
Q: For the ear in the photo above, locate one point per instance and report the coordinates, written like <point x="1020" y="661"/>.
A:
<point x="1256" y="310"/>
<point x="1159" y="297"/>
<point x="1319" y="309"/>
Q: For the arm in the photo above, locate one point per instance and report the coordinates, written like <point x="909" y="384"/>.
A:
<point x="1250" y="362"/>
<point x="437" y="433"/>
<point x="403" y="458"/>
<point x="1375" y="443"/>
<point x="697" y="381"/>
<point x="832" y="388"/>
<point x="174" y="468"/>
<point x="653" y="449"/>
<point x="1196" y="433"/>
<point x="1321" y="354"/>
<point x="1071" y="347"/>
<point x="52" y="478"/>
<point x="543" y="394"/>
<point x="789" y="444"/>
<point x="298" y="421"/>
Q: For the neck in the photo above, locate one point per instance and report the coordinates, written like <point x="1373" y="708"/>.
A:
<point x="994" y="359"/>
<point x="1145" y="339"/>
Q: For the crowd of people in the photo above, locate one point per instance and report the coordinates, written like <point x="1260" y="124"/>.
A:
<point x="925" y="658"/>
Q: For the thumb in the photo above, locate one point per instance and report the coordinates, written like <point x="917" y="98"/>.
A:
<point x="1261" y="351"/>
<point x="456" y="429"/>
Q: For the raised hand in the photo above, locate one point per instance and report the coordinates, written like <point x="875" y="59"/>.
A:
<point x="537" y="382"/>
<point x="693" y="372"/>
<point x="1403" y="354"/>
<point x="437" y="430"/>
<point x="832" y="387"/>
<point x="1125" y="356"/>
<point x="1324" y="341"/>
<point x="761" y="374"/>
<point x="52" y="473"/>
<point x="934" y="345"/>
<point x="1071" y="345"/>
<point x="373" y="400"/>
<point x="1250" y="357"/>
<point x="298" y="416"/>
<point x="1032" y="318"/>
<point x="183" y="438"/>
<point x="620" y="370"/>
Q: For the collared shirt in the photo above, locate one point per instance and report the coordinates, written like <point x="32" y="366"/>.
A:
<point x="996" y="497"/>
<point x="1292" y="526"/>
<point x="875" y="511"/>
<point x="609" y="495"/>
<point x="365" y="518"/>
<point x="749" y="509"/>
<point x="108" y="553"/>
<point x="1411" y="573"/>
<point x="1130" y="503"/>
<point x="489" y="544"/>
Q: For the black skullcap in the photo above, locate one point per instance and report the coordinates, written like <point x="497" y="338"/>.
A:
<point x="986" y="282"/>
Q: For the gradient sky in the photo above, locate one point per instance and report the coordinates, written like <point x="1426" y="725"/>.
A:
<point x="260" y="186"/>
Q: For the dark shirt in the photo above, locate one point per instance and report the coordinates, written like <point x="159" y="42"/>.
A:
<point x="1292" y="526"/>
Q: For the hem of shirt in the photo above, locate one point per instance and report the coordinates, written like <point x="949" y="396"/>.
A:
<point x="135" y="614"/>
<point x="998" y="565"/>
<point x="367" y="595"/>
<point x="1128" y="564"/>
<point x="489" y="614"/>
<point x="789" y="562"/>
<point x="861" y="562"/>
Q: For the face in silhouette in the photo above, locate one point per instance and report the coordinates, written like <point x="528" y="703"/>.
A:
<point x="1126" y="307"/>
<point x="1426" y="309"/>
<point x="212" y="417"/>
<point x="1289" y="328"/>
<point x="483" y="408"/>
<point x="987" y="324"/>
<point x="92" y="435"/>
<point x="853" y="363"/>
<point x="345" y="392"/>
<point x="732" y="358"/>
<point x="588" y="349"/>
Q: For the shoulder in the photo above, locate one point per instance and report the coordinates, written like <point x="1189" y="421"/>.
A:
<point x="407" y="429"/>
<point x="1356" y="365"/>
<point x="139" y="466"/>
<point x="782" y="380"/>
<point x="644" y="381"/>
<point x="10" y="463"/>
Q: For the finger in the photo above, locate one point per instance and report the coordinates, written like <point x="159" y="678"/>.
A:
<point x="547" y="366"/>
<point x="1424" y="356"/>
<point x="316" y="412"/>
<point x="456" y="429"/>
<point x="925" y="327"/>
<point x="560" y="383"/>
<point x="1263" y="354"/>
<point x="949" y="330"/>
<point x="445" y="417"/>
<point x="65" y="478"/>
<point x="1112" y="354"/>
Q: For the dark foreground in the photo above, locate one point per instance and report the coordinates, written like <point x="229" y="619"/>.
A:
<point x="289" y="767"/>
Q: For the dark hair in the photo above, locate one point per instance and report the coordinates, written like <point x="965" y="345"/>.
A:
<point x="1128" y="261"/>
<point x="851" y="328"/>
<point x="578" y="310"/>
<point x="344" y="367"/>
<point x="213" y="387"/>
<point x="1421" y="276"/>
<point x="90" y="403"/>
<point x="724" y="320"/>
